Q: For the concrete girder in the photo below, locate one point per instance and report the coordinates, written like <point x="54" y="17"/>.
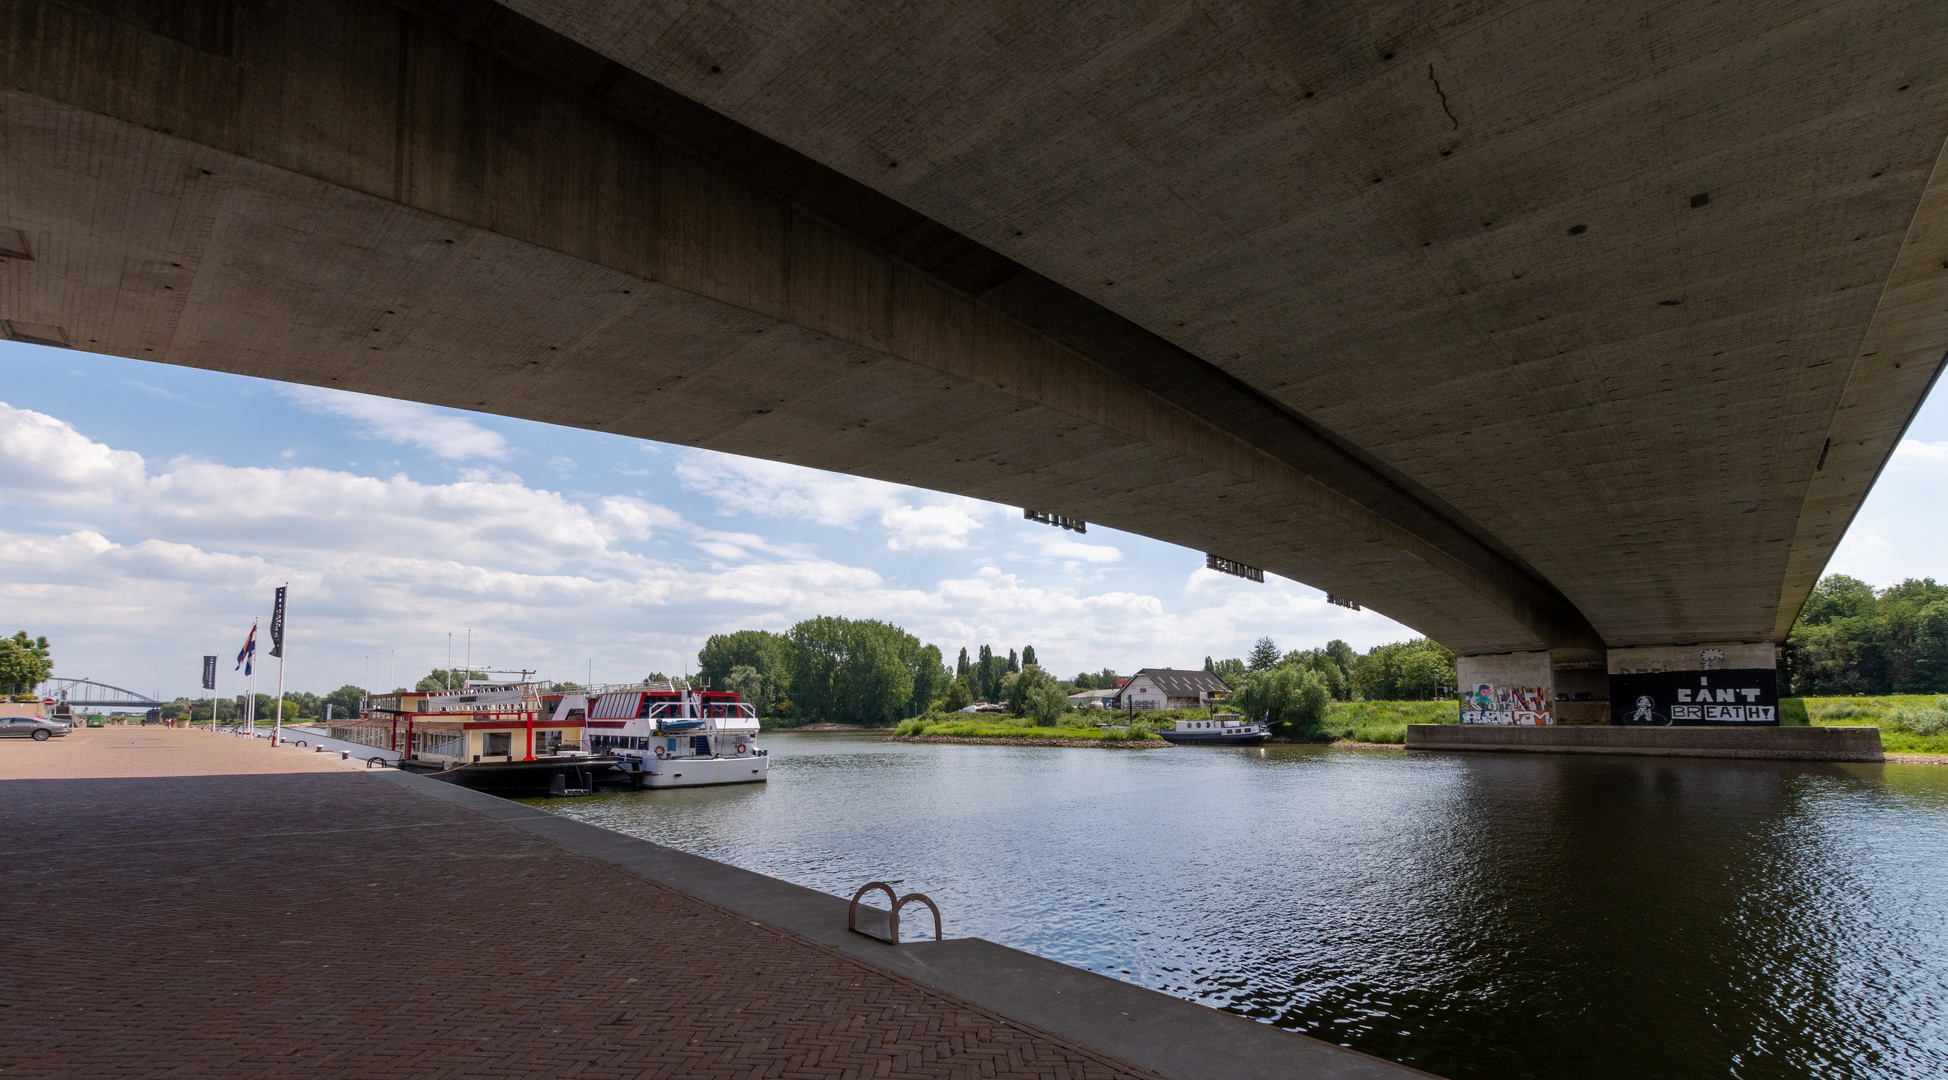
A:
<point x="454" y="205"/>
<point x="1648" y="293"/>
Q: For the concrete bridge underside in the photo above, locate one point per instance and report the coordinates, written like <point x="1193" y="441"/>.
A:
<point x="1531" y="326"/>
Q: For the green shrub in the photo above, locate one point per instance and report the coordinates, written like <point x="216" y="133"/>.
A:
<point x="1923" y="720"/>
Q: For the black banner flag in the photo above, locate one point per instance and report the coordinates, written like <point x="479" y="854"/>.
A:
<point x="209" y="673"/>
<point x="277" y="625"/>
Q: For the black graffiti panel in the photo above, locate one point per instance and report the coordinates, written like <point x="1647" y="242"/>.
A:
<point x="1737" y="697"/>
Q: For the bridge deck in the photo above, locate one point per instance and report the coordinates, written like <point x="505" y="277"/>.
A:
<point x="209" y="904"/>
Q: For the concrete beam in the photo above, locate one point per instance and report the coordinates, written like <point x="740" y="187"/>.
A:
<point x="1641" y="290"/>
<point x="452" y="204"/>
<point x="1535" y="329"/>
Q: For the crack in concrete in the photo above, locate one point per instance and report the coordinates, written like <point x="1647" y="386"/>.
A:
<point x="1443" y="93"/>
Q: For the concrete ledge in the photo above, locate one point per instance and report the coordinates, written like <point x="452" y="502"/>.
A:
<point x="1175" y="1038"/>
<point x="1779" y="743"/>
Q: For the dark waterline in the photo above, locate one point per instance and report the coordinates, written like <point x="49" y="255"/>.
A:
<point x="1471" y="915"/>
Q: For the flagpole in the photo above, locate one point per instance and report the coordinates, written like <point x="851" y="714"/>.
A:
<point x="247" y="716"/>
<point x="281" y="627"/>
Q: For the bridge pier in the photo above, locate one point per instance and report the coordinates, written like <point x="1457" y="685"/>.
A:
<point x="1722" y="683"/>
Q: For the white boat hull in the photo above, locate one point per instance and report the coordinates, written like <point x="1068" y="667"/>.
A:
<point x="703" y="772"/>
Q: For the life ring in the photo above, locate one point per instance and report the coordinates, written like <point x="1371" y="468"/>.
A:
<point x="660" y="755"/>
<point x="740" y="748"/>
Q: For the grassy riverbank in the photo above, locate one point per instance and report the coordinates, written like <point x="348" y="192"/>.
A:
<point x="1383" y="721"/>
<point x="1908" y="723"/>
<point x="995" y="726"/>
<point x="1379" y="722"/>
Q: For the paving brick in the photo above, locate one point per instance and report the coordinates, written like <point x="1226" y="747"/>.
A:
<point x="320" y="923"/>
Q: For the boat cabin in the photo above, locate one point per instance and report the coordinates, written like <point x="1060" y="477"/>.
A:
<point x="458" y="738"/>
<point x="1217" y="723"/>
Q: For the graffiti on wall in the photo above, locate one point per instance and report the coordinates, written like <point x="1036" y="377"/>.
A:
<point x="1489" y="704"/>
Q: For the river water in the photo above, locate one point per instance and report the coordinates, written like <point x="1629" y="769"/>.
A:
<point x="1471" y="915"/>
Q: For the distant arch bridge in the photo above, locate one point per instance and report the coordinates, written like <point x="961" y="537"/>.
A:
<point x="95" y="695"/>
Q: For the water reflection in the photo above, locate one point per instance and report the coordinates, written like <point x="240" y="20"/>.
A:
<point x="1471" y="915"/>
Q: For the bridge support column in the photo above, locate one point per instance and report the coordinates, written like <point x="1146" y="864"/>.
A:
<point x="1506" y="688"/>
<point x="1712" y="683"/>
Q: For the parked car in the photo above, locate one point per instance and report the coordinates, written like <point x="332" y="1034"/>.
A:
<point x="30" y="727"/>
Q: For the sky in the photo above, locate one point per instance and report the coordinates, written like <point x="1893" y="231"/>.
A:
<point x="148" y="511"/>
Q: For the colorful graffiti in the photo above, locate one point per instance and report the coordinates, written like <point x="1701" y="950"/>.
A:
<point x="1489" y="704"/>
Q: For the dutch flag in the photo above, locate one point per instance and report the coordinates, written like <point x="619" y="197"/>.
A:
<point x="249" y="651"/>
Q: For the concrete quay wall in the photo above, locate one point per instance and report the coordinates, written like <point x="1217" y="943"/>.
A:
<point x="1777" y="743"/>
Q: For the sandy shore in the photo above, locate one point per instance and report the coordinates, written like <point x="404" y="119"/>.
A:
<point x="1920" y="759"/>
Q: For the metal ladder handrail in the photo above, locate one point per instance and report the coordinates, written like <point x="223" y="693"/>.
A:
<point x="892" y="936"/>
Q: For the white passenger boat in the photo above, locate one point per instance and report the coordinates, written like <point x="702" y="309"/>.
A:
<point x="662" y="736"/>
<point x="1222" y="729"/>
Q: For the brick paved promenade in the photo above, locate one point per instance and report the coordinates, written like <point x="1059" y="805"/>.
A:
<point x="177" y="903"/>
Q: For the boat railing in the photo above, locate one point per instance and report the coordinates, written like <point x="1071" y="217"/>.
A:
<point x="446" y="748"/>
<point x="677" y="710"/>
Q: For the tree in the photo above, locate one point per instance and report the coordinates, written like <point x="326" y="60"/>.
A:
<point x="958" y="695"/>
<point x="1014" y="664"/>
<point x="1838" y="596"/>
<point x="960" y="669"/>
<point x="1851" y="640"/>
<point x="1039" y="697"/>
<point x="1339" y="681"/>
<point x="930" y="675"/>
<point x="344" y="701"/>
<point x="1232" y="671"/>
<point x="1425" y="675"/>
<point x="1102" y="680"/>
<point x="1931" y="648"/>
<point x="443" y="679"/>
<point x="1264" y="655"/>
<point x="1384" y="673"/>
<point x="1290" y="698"/>
<point x="761" y="650"/>
<point x="856" y="671"/>
<point x="751" y="686"/>
<point x="1028" y="656"/>
<point x="24" y="663"/>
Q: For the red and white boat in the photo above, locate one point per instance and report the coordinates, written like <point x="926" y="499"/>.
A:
<point x="671" y="736"/>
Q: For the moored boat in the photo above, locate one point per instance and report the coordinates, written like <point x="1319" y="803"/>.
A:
<point x="665" y="736"/>
<point x="1222" y="729"/>
<point x="523" y="743"/>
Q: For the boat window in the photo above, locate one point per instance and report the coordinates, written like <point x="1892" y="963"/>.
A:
<point x="498" y="742"/>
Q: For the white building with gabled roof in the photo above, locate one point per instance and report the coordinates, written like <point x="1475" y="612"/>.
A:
<point x="1170" y="688"/>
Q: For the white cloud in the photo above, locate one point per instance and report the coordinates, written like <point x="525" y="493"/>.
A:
<point x="928" y="528"/>
<point x="439" y="433"/>
<point x="44" y="460"/>
<point x="773" y="489"/>
<point x="914" y="520"/>
<point x="168" y="564"/>
<point x="1916" y="455"/>
<point x="1056" y="546"/>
